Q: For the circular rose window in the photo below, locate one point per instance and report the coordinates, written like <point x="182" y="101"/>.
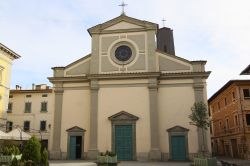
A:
<point x="123" y="53"/>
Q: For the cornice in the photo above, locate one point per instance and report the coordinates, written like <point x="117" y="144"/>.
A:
<point x="124" y="75"/>
<point x="121" y="31"/>
<point x="68" y="79"/>
<point x="9" y="51"/>
<point x="139" y="75"/>
<point x="185" y="75"/>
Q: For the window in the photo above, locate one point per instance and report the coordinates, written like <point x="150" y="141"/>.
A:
<point x="28" y="96"/>
<point x="227" y="124"/>
<point x="9" y="126"/>
<point x="9" y="108"/>
<point x="220" y="125"/>
<point x="236" y="120"/>
<point x="233" y="95"/>
<point x="225" y="101"/>
<point x="27" y="108"/>
<point x="246" y="93"/>
<point x="26" y="125"/>
<point x="248" y="119"/>
<point x="11" y="96"/>
<point x="1" y="75"/>
<point x="44" y="95"/>
<point x="219" y="105"/>
<point x="42" y="125"/>
<point x="43" y="106"/>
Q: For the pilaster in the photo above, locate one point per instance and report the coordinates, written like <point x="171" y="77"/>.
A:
<point x="56" y="149"/>
<point x="155" y="153"/>
<point x="199" y="97"/>
<point x="93" y="149"/>
<point x="151" y="51"/>
<point x="94" y="63"/>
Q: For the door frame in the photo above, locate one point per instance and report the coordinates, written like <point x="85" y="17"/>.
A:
<point x="124" y="118"/>
<point x="75" y="131"/>
<point x="178" y="131"/>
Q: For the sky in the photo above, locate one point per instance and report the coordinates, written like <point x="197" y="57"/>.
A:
<point x="54" y="33"/>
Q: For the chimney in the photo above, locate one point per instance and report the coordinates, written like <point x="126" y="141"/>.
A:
<point x="38" y="87"/>
<point x="33" y="86"/>
<point x="18" y="87"/>
<point x="165" y="40"/>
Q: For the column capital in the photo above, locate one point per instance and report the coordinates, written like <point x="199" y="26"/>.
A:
<point x="152" y="84"/>
<point x="59" y="90"/>
<point x="94" y="84"/>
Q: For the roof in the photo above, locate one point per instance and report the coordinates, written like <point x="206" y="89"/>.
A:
<point x="31" y="91"/>
<point x="246" y="71"/>
<point x="225" y="87"/>
<point x="9" y="51"/>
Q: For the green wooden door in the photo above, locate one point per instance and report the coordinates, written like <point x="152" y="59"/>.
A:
<point x="124" y="142"/>
<point x="178" y="147"/>
<point x="72" y="151"/>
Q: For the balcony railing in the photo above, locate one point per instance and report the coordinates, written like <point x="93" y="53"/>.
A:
<point x="225" y="131"/>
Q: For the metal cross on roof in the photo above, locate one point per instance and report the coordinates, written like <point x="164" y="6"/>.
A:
<point x="163" y="22"/>
<point x="123" y="6"/>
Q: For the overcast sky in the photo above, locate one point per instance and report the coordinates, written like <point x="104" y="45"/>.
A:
<point x="48" y="33"/>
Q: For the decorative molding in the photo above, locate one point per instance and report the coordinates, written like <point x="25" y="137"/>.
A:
<point x="123" y="116"/>
<point x="177" y="129"/>
<point x="75" y="129"/>
<point x="9" y="51"/>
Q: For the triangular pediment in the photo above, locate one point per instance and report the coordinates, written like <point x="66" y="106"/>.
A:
<point x="177" y="129"/>
<point x="122" y="23"/>
<point x="123" y="116"/>
<point x="75" y="129"/>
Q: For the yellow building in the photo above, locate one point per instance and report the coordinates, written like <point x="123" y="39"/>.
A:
<point x="6" y="58"/>
<point x="32" y="111"/>
<point x="131" y="95"/>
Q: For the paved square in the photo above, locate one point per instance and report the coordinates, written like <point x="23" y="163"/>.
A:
<point x="124" y="163"/>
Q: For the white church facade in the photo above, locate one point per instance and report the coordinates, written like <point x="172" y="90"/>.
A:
<point x="131" y="95"/>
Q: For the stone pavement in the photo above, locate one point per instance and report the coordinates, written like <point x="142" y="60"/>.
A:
<point x="123" y="163"/>
<point x="239" y="162"/>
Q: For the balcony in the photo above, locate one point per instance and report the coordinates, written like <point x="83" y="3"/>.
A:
<point x="224" y="132"/>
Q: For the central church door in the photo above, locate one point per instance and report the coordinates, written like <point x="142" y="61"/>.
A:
<point x="178" y="148"/>
<point x="124" y="142"/>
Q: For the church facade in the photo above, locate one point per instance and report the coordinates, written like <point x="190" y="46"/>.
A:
<point x="131" y="95"/>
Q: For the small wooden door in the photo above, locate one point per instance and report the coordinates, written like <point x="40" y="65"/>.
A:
<point x="72" y="155"/>
<point x="75" y="147"/>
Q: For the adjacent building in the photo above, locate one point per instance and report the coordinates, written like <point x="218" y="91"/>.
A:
<point x="230" y="112"/>
<point x="131" y="95"/>
<point x="246" y="71"/>
<point x="6" y="58"/>
<point x="32" y="111"/>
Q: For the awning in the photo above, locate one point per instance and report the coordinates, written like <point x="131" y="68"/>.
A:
<point x="4" y="135"/>
<point x="18" y="134"/>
